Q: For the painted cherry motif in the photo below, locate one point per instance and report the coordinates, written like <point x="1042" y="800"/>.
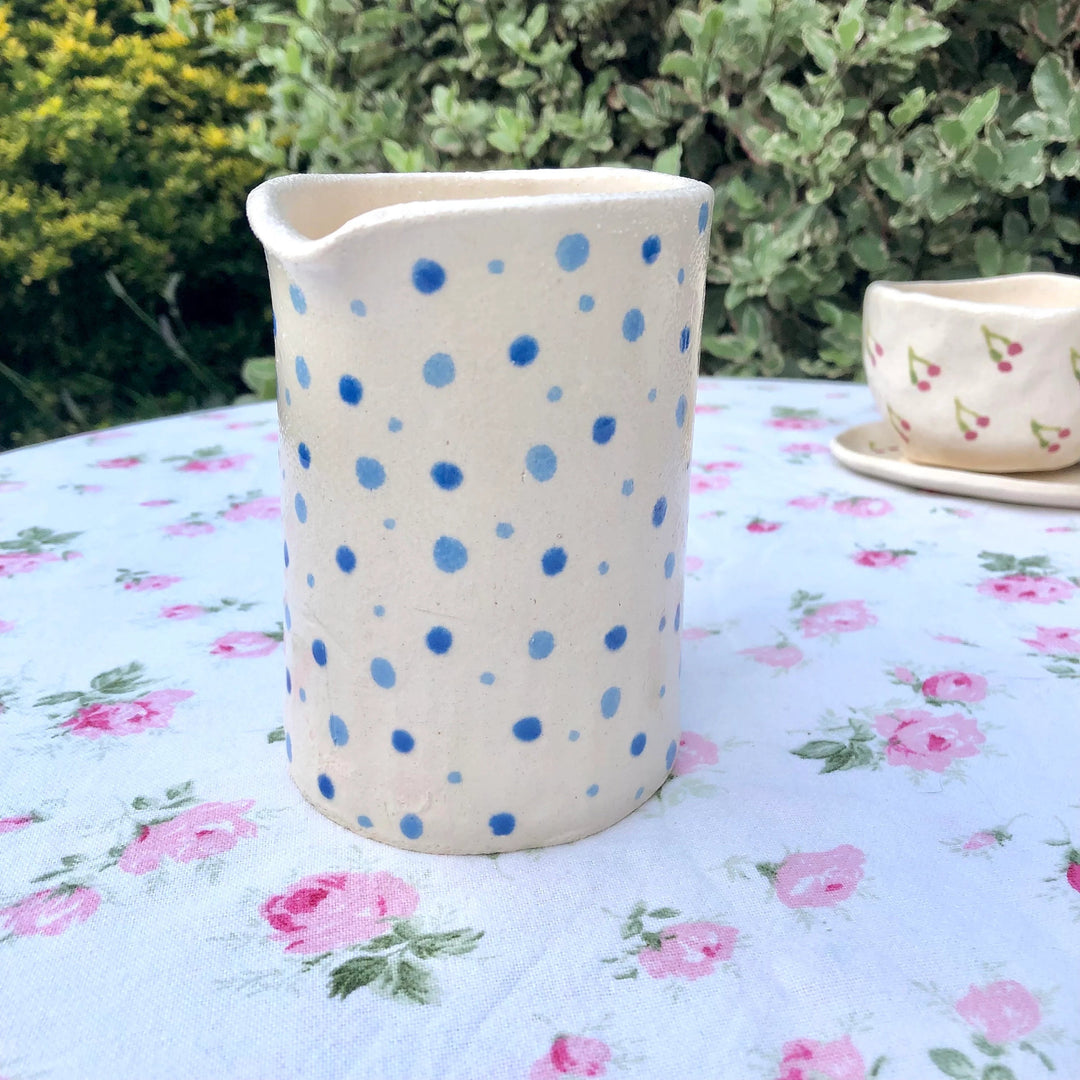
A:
<point x="1049" y="442"/>
<point x="929" y="369"/>
<point x="898" y="422"/>
<point x="873" y="348"/>
<point x="1074" y="359"/>
<point x="964" y="414"/>
<point x="999" y="346"/>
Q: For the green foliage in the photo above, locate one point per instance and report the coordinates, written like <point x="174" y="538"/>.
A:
<point x="122" y="178"/>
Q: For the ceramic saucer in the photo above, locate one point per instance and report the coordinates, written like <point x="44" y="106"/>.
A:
<point x="874" y="450"/>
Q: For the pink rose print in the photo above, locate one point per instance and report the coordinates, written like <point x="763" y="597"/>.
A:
<point x="709" y="408"/>
<point x="1072" y="876"/>
<point x="951" y="639"/>
<point x="923" y="740"/>
<point x="795" y="423"/>
<point x="198" y="833"/>
<point x="50" y="912"/>
<point x="1025" y="589"/>
<point x="18" y="485"/>
<point x="804" y="448"/>
<point x="244" y="643"/>
<point x="689" y="950"/>
<point x="155" y="710"/>
<point x="265" y="508"/>
<point x="978" y="841"/>
<point x="807" y="1059"/>
<point x="6" y="627"/>
<point x="841" y="617"/>
<point x="819" y="878"/>
<point x="695" y="633"/>
<point x="879" y="559"/>
<point x="150" y="583"/>
<point x="330" y="911"/>
<point x="182" y="611"/>
<point x="24" y="562"/>
<point x="808" y="502"/>
<point x="694" y="563"/>
<point x="215" y="464"/>
<point x="759" y="525"/>
<point x="188" y="528"/>
<point x="860" y="506"/>
<point x="158" y="502"/>
<point x="714" y="482"/>
<point x="904" y="675"/>
<point x="241" y="425"/>
<point x="14" y="824"/>
<point x="954" y="686"/>
<point x="107" y="436"/>
<point x="119" y="463"/>
<point x="572" y="1055"/>
<point x="721" y="466"/>
<point x="778" y="656"/>
<point x="695" y="752"/>
<point x="1002" y="1010"/>
<point x="271" y="437"/>
<point x="1061" y="640"/>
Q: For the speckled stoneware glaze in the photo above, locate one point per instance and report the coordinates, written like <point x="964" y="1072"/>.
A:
<point x="486" y="395"/>
<point x="981" y="374"/>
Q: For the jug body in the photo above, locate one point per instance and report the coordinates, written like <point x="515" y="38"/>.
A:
<point x="486" y="395"/>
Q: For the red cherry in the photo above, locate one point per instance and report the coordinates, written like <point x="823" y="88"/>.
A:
<point x="1064" y="433"/>
<point x="1015" y="348"/>
<point x="969" y="435"/>
<point x="878" y="349"/>
<point x="1053" y="448"/>
<point x="1004" y="366"/>
<point x="982" y="421"/>
<point x="924" y="386"/>
<point x="905" y="425"/>
<point x="933" y="371"/>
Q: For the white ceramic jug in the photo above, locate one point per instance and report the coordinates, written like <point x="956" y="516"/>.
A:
<point x="486" y="395"/>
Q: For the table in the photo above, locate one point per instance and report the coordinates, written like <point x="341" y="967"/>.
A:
<point x="867" y="863"/>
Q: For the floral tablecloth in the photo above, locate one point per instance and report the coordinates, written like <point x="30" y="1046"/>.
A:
<point x="866" y="864"/>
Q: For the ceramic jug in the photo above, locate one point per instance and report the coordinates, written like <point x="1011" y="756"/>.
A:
<point x="486" y="395"/>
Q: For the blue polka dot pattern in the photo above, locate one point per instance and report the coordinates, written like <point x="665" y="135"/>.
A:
<point x="487" y="678"/>
<point x="681" y="275"/>
<point x="586" y="303"/>
<point x="504" y="530"/>
<point x="395" y="424"/>
<point x="672" y="750"/>
<point x="326" y="786"/>
<point x="555" y="393"/>
<point x="663" y="690"/>
<point x="303" y="375"/>
<point x="301" y="508"/>
<point x="609" y="703"/>
<point x="379" y="610"/>
<point x="678" y="616"/>
<point x="358" y="308"/>
<point x="439" y="370"/>
<point x="523" y="350"/>
<point x="412" y="828"/>
<point x="637" y="744"/>
<point x="541" y="462"/>
<point x="502" y="824"/>
<point x="450" y="554"/>
<point x="453" y="777"/>
<point x="446" y="475"/>
<point x="615" y="638"/>
<point x="304" y="454"/>
<point x="652" y="394"/>
<point x="339" y="732"/>
<point x="659" y="512"/>
<point x="318" y="651"/>
<point x="382" y="671"/>
<point x="528" y="729"/>
<point x="669" y="564"/>
<point x="603" y="568"/>
<point x="288" y="682"/>
<point x="574" y="736"/>
<point x="296" y="295"/>
<point x="680" y="410"/>
<point x="428" y="276"/>
<point x="439" y="640"/>
<point x="302" y="694"/>
<point x="345" y="558"/>
<point x="553" y="561"/>
<point x="389" y="523"/>
<point x="702" y="217"/>
<point x="572" y="251"/>
<point x="633" y="324"/>
<point x="350" y="390"/>
<point x="637" y="794"/>
<point x="288" y="746"/>
<point x="592" y="790"/>
<point x="364" y="821"/>
<point x="603" y="429"/>
<point x="628" y="487"/>
<point x="541" y="644"/>
<point x="402" y="741"/>
<point x="496" y="266"/>
<point x="650" y="249"/>
<point x="684" y="339"/>
<point x="370" y="473"/>
<point x="288" y="618"/>
<point x="663" y="623"/>
<point x="311" y="580"/>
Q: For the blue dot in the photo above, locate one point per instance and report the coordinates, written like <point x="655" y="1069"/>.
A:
<point x="412" y="827"/>
<point x="637" y="744"/>
<point x="603" y="428"/>
<point x="358" y="308"/>
<point x="487" y="678"/>
<point x="345" y="558"/>
<point x="574" y="736"/>
<point x="592" y="790"/>
<point x="672" y="750"/>
<point x="615" y="638"/>
<point x="288" y="746"/>
<point x="663" y="623"/>
<point x="304" y="454"/>
<point x="681" y="275"/>
<point x="297" y="298"/>
<point x="496" y="266"/>
<point x="541" y="462"/>
<point x="273" y="322"/>
<point x="288" y="682"/>
<point x="311" y="581"/>
<point x="553" y="561"/>
<point x="609" y="702"/>
<point x="702" y="217"/>
<point x="659" y="511"/>
<point x="288" y="396"/>
<point x="326" y="786"/>
<point x="633" y="324"/>
<point x="303" y="375"/>
<point x="379" y="610"/>
<point x="301" y="507"/>
<point x="303" y="694"/>
<point x="572" y="251"/>
<point x="527" y="729"/>
<point x="504" y="530"/>
<point x="586" y="303"/>
<point x="663" y="690"/>
<point x="318" y="651"/>
<point x="447" y="475"/>
<point x="684" y="339"/>
<point x="652" y="394"/>
<point x="389" y="523"/>
<point x="523" y="350"/>
<point x="454" y="777"/>
<point x="428" y="276"/>
<point x="650" y="249"/>
<point x="541" y="644"/>
<point x="363" y="821"/>
<point x="395" y="424"/>
<point x="603" y="568"/>
<point x="288" y="618"/>
<point x="637" y="794"/>
<point x="339" y="733"/>
<point x="502" y="824"/>
<point x="628" y="487"/>
<point x="680" y="410"/>
<point x="669" y="564"/>
<point x="450" y="554"/>
<point x="555" y="393"/>
<point x="350" y="389"/>
<point x="678" y="616"/>
<point x="439" y="640"/>
<point x="402" y="741"/>
<point x="370" y="473"/>
<point x="439" y="369"/>
<point x="382" y="671"/>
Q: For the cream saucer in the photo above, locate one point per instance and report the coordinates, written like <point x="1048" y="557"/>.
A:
<point x="874" y="450"/>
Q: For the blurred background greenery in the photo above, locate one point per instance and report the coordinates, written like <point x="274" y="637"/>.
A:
<point x="845" y="141"/>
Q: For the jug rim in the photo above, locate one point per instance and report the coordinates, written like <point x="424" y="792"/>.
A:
<point x="982" y="295"/>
